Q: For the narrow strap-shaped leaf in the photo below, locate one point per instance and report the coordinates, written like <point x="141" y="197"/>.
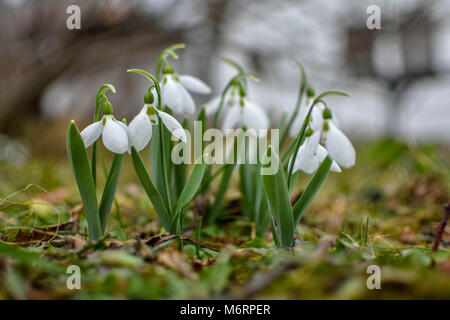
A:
<point x="80" y="165"/>
<point x="180" y="170"/>
<point x="277" y="194"/>
<point x="190" y="189"/>
<point x="313" y="186"/>
<point x="150" y="189"/>
<point x="246" y="188"/>
<point x="220" y="193"/>
<point x="110" y="189"/>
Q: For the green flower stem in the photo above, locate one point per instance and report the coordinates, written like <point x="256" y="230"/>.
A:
<point x="164" y="166"/>
<point x="298" y="104"/>
<point x="167" y="52"/>
<point x="162" y="142"/>
<point x="98" y="101"/>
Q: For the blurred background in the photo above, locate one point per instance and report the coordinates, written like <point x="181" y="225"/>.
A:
<point x="398" y="76"/>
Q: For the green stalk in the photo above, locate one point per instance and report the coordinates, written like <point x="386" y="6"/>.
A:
<point x="297" y="105"/>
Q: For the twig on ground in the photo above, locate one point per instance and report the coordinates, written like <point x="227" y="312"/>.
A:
<point x="441" y="228"/>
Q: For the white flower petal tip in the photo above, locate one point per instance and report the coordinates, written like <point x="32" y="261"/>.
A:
<point x="176" y="97"/>
<point x="339" y="147"/>
<point x="115" y="137"/>
<point x="194" y="84"/>
<point x="172" y="125"/>
<point x="322" y="154"/>
<point x="140" y="131"/>
<point x="212" y="106"/>
<point x="91" y="133"/>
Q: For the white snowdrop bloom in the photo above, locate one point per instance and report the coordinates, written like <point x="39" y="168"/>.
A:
<point x="230" y="100"/>
<point x="322" y="153"/>
<point x="307" y="160"/>
<point x="175" y="95"/>
<point x="338" y="145"/>
<point x="140" y="128"/>
<point x="315" y="120"/>
<point x="311" y="154"/>
<point x="113" y="132"/>
<point x="247" y="115"/>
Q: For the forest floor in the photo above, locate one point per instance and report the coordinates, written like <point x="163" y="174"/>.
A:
<point x="385" y="212"/>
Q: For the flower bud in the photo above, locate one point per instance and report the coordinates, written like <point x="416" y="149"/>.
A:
<point x="327" y="113"/>
<point x="149" y="98"/>
<point x="310" y="92"/>
<point x="242" y="92"/>
<point x="167" y="69"/>
<point x="107" y="108"/>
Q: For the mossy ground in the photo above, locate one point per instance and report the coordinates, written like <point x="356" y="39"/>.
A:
<point x="399" y="189"/>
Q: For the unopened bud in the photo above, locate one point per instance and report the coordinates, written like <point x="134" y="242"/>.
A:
<point x="149" y="98"/>
<point x="327" y="113"/>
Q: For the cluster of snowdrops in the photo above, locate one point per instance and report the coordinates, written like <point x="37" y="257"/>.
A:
<point x="316" y="145"/>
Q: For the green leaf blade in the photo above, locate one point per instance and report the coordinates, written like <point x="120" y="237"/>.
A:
<point x="110" y="189"/>
<point x="277" y="194"/>
<point x="310" y="192"/>
<point x="80" y="165"/>
<point x="153" y="193"/>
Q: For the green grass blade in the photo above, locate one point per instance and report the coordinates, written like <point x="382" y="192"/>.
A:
<point x="153" y="193"/>
<point x="110" y="189"/>
<point x="83" y="175"/>
<point x="277" y="194"/>
<point x="313" y="186"/>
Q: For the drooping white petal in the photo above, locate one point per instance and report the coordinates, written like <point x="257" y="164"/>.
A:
<point x="171" y="94"/>
<point x="307" y="159"/>
<point x="212" y="106"/>
<point x="232" y="118"/>
<point x="194" y="84"/>
<point x="316" y="120"/>
<point x="322" y="153"/>
<point x="115" y="138"/>
<point x="91" y="133"/>
<point x="155" y="96"/>
<point x="339" y="146"/>
<point x="172" y="125"/>
<point x="140" y="131"/>
<point x="254" y="117"/>
<point x="188" y="106"/>
<point x="176" y="96"/>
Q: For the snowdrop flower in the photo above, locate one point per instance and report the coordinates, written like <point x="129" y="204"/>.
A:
<point x="338" y="145"/>
<point x="315" y="120"/>
<point x="174" y="91"/>
<point x="230" y="100"/>
<point x="113" y="132"/>
<point x="246" y="114"/>
<point x="140" y="128"/>
<point x="311" y="154"/>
